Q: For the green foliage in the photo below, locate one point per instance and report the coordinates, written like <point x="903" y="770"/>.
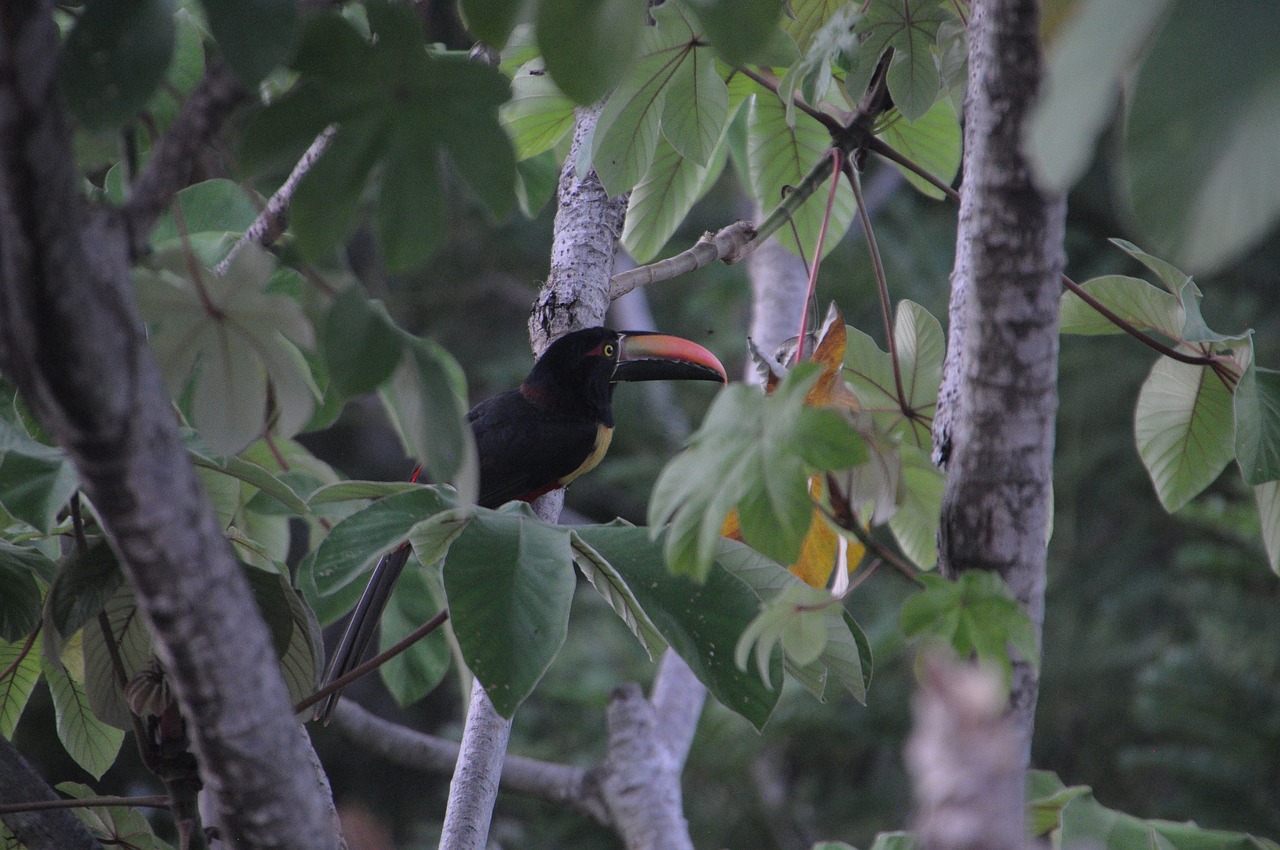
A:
<point x="230" y="346"/>
<point x="397" y="105"/>
<point x="910" y="29"/>
<point x="754" y="453"/>
<point x="509" y="580"/>
<point x="115" y="56"/>
<point x="975" y="615"/>
<point x="588" y="44"/>
<point x="19" y="590"/>
<point x="19" y="672"/>
<point x="90" y="741"/>
<point x="414" y="673"/>
<point x="255" y="35"/>
<point x="35" y="480"/>
<point x="932" y="141"/>
<point x="113" y="825"/>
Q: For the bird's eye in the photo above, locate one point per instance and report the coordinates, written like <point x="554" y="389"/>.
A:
<point x="608" y="349"/>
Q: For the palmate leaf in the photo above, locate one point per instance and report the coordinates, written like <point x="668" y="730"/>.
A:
<point x="212" y="216"/>
<point x="1184" y="428"/>
<point x="779" y="155"/>
<point x="700" y="622"/>
<point x="869" y="371"/>
<point x="740" y="30"/>
<point x="233" y="343"/>
<point x="254" y="36"/>
<point x="806" y="18"/>
<point x="1138" y="302"/>
<point x="395" y="105"/>
<point x="755" y="453"/>
<point x="673" y="64"/>
<point x="356" y="544"/>
<point x="36" y="480"/>
<point x="115" y="56"/>
<point x="910" y="28"/>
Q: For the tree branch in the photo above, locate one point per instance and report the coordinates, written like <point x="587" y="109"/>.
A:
<point x="38" y="827"/>
<point x="555" y="783"/>
<point x="274" y="218"/>
<point x="169" y="167"/>
<point x="71" y="340"/>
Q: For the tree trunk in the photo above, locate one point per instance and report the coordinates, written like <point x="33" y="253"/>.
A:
<point x="996" y="412"/>
<point x="72" y="341"/>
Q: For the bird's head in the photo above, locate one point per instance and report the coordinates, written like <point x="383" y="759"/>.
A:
<point x="579" y="369"/>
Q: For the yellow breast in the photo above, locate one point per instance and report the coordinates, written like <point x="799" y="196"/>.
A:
<point x="604" y="436"/>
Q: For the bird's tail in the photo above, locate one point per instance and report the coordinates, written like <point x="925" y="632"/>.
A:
<point x="364" y="623"/>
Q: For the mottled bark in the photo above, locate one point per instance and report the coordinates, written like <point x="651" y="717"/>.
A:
<point x="1004" y="367"/>
<point x="56" y="829"/>
<point x="71" y="340"/>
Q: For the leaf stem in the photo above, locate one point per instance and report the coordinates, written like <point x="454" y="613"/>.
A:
<point x="837" y="164"/>
<point x="882" y="287"/>
<point x="154" y="801"/>
<point x="375" y="662"/>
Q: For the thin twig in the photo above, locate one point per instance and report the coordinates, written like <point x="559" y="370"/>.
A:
<point x="273" y="219"/>
<point x="374" y="662"/>
<point x="828" y="121"/>
<point x="154" y="801"/>
<point x="878" y="146"/>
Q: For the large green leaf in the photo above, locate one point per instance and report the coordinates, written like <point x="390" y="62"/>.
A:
<point x="538" y="114"/>
<point x="209" y="217"/>
<point x="588" y="44"/>
<point x="397" y="105"/>
<point x="255" y="35"/>
<point x="915" y="523"/>
<point x="669" y="62"/>
<point x="20" y="596"/>
<point x="932" y="141"/>
<point x="660" y="202"/>
<point x="231" y="342"/>
<point x="701" y="622"/>
<point x="36" y="480"/>
<point x="610" y="584"/>
<point x="807" y="17"/>
<point x="424" y="401"/>
<point x="492" y="20"/>
<point x="739" y="30"/>
<point x="1087" y="65"/>
<point x="356" y="544"/>
<point x="756" y="453"/>
<point x="779" y="155"/>
<point x="1257" y="415"/>
<point x="1204" y="191"/>
<point x="83" y="586"/>
<point x="1268" y="499"/>
<point x="132" y="641"/>
<point x="1184" y="428"/>
<point x="361" y="343"/>
<point x="921" y="349"/>
<point x="92" y="743"/>
<point x="295" y="633"/>
<point x="509" y="579"/>
<point x="415" y="672"/>
<point x="114" y="58"/>
<point x="910" y="29"/>
<point x="1139" y="303"/>
<point x="19" y="672"/>
<point x="113" y="826"/>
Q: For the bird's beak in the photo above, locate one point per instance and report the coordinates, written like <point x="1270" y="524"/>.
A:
<point x="648" y="356"/>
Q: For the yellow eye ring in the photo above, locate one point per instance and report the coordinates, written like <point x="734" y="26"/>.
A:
<point x="608" y="350"/>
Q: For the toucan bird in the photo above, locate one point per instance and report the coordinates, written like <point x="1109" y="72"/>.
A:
<point x="538" y="437"/>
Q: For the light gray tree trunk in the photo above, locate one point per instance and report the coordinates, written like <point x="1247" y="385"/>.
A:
<point x="996" y="412"/>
